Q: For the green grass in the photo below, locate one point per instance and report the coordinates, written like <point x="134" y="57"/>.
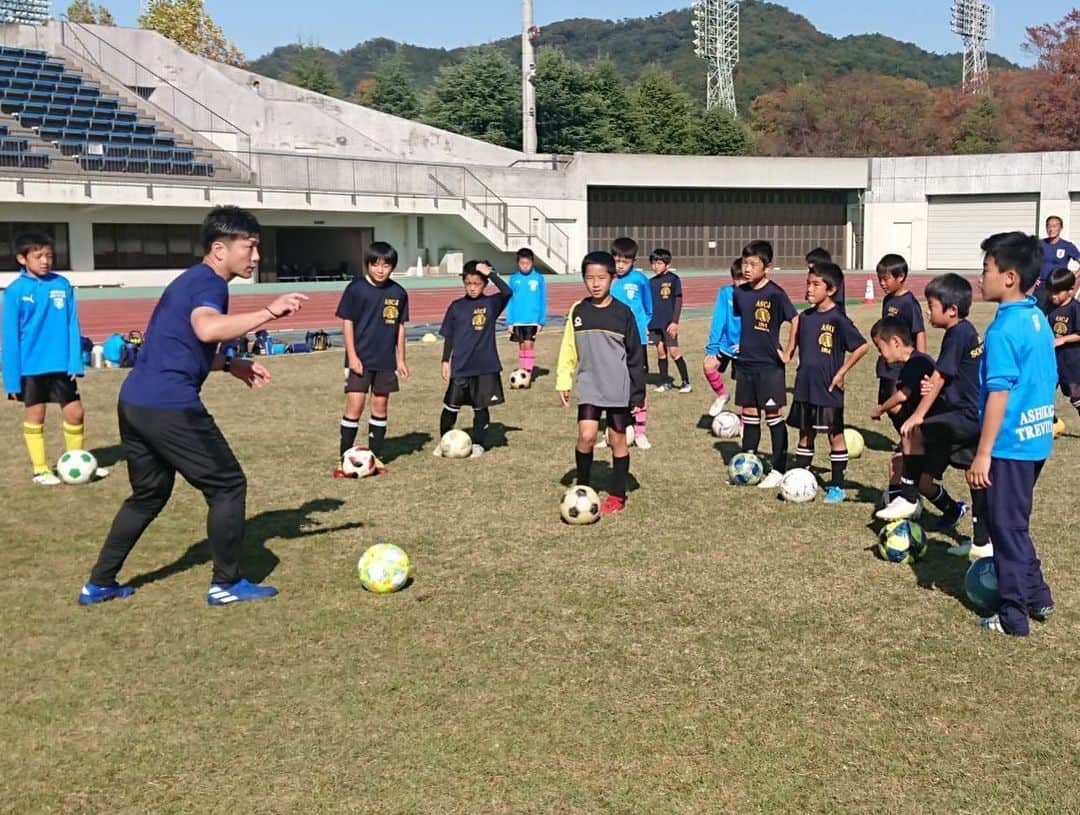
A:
<point x="709" y="650"/>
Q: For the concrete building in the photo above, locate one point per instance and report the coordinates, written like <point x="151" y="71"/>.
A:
<point x="327" y="177"/>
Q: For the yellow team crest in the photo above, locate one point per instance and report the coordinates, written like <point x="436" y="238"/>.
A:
<point x="479" y="319"/>
<point x="762" y="316"/>
<point x="665" y="291"/>
<point x="1061" y="326"/>
<point x="825" y="339"/>
<point x="390" y="311"/>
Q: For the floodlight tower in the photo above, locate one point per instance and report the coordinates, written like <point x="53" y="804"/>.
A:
<point x="530" y="38"/>
<point x="716" y="40"/>
<point x="973" y="21"/>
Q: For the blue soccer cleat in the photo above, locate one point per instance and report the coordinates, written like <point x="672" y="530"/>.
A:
<point x="949" y="520"/>
<point x="835" y="495"/>
<point x="92" y="594"/>
<point x="224" y="594"/>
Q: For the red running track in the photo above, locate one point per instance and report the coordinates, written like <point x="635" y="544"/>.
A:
<point x="100" y="318"/>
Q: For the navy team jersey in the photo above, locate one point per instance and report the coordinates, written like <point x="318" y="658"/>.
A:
<point x="762" y="311"/>
<point x="469" y="331"/>
<point x="173" y="364"/>
<point x="906" y="307"/>
<point x="375" y="312"/>
<point x="958" y="362"/>
<point x="666" y="299"/>
<point x="825" y="337"/>
<point x="912" y="373"/>
<point x="1065" y="321"/>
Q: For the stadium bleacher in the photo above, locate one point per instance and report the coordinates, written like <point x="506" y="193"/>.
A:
<point x="82" y="121"/>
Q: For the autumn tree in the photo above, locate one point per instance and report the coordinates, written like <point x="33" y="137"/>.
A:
<point x="1055" y="107"/>
<point x="83" y="11"/>
<point x="189" y="25"/>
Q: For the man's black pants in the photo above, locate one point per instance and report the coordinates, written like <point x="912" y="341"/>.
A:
<point x="158" y="444"/>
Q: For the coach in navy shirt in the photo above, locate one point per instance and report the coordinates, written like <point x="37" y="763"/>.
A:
<point x="164" y="427"/>
<point x="1057" y="252"/>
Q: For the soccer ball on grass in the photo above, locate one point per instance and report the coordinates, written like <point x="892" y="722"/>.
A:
<point x="580" y="505"/>
<point x="358" y="462"/>
<point x="799" y="486"/>
<point x="746" y="469"/>
<point x="456" y="444"/>
<point x="384" y="568"/>
<point x="520" y="379"/>
<point x="902" y="542"/>
<point x="727" y="425"/>
<point x="76" y="467"/>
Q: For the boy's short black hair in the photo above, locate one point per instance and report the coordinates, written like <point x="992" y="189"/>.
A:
<point x="830" y="273"/>
<point x="894" y="266"/>
<point x="736" y="267"/>
<point x="470" y="268"/>
<point x="951" y="290"/>
<point x="380" y="251"/>
<point x="604" y="259"/>
<point x="525" y="253"/>
<point x="1060" y="280"/>
<point x="29" y="241"/>
<point x="818" y="255"/>
<point x="662" y="255"/>
<point x="1016" y="252"/>
<point x="887" y="328"/>
<point x="758" y="249"/>
<point x="624" y="248"/>
<point x="228" y="223"/>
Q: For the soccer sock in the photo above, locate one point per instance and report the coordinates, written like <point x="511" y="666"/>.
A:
<point x="943" y="502"/>
<point x="778" y="434"/>
<point x="528" y="360"/>
<point x="980" y="513"/>
<point x="34" y="436"/>
<point x="839" y="460"/>
<point x="1075" y="404"/>
<point x="716" y="382"/>
<point x="751" y="434"/>
<point x="910" y="475"/>
<point x="583" y="462"/>
<point x="376" y="434"/>
<point x="349" y="428"/>
<point x="665" y="374"/>
<point x="640" y="418"/>
<point x="480" y="422"/>
<point x="803" y="456"/>
<point x="680" y="363"/>
<point x="620" y="469"/>
<point x="74" y="436"/>
<point x="447" y="419"/>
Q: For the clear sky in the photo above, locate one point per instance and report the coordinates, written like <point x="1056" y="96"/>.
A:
<point x="259" y="25"/>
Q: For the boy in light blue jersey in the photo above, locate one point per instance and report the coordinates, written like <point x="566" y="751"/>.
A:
<point x="42" y="351"/>
<point x="526" y="314"/>
<point x="723" y="344"/>
<point x="631" y="288"/>
<point x="1017" y="411"/>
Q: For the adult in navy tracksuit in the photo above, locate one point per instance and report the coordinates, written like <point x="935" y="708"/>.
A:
<point x="164" y="427"/>
<point x="1017" y="406"/>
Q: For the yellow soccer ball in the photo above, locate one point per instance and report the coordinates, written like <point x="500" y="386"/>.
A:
<point x="1059" y="427"/>
<point x="384" y="568"/>
<point x="854" y="441"/>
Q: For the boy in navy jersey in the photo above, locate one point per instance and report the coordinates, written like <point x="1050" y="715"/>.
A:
<point x="946" y="414"/>
<point x="1064" y="318"/>
<point x="526" y="314"/>
<point x="818" y="255"/>
<point x="824" y="338"/>
<point x="602" y="347"/>
<point x="1016" y="400"/>
<point x="664" y="325"/>
<point x="470" y="363"/>
<point x="759" y="376"/>
<point x="373" y="310"/>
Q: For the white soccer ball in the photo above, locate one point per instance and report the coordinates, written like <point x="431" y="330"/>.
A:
<point x="456" y="444"/>
<point x="520" y="379"/>
<point x="358" y="462"/>
<point x="727" y="425"/>
<point x="799" y="486"/>
<point x="76" y="467"/>
<point x="580" y="505"/>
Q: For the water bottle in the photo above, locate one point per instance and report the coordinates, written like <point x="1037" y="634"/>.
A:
<point x="97" y="356"/>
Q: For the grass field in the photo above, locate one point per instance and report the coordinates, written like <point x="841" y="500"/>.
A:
<point x="710" y="650"/>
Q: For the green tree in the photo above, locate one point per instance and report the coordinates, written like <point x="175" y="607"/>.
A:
<point x="479" y="98"/>
<point x="189" y="25"/>
<point x="980" y="129"/>
<point x="663" y="114"/>
<point x="310" y="68"/>
<point x="83" y="11"/>
<point x="718" y="133"/>
<point x="570" y="116"/>
<point x="613" y="100"/>
<point x="392" y="90"/>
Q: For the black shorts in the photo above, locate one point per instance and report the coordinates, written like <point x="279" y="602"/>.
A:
<point x="380" y="383"/>
<point x="618" y="418"/>
<point x="760" y="388"/>
<point x="658" y="335"/>
<point x="480" y="391"/>
<point x="40" y="389"/>
<point x="723" y="360"/>
<point x="808" y="418"/>
<point x="1071" y="391"/>
<point x="524" y="333"/>
<point x="943" y="434"/>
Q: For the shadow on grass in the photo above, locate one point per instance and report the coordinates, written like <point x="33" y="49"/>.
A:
<point x="497" y="434"/>
<point x="398" y="446"/>
<point x="728" y="449"/>
<point x="257" y="560"/>
<point x="109" y="456"/>
<point x="877" y="441"/>
<point x="940" y="571"/>
<point x="601" y="478"/>
<point x="539" y="373"/>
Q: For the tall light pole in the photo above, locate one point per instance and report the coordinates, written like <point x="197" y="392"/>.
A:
<point x="716" y="40"/>
<point x="530" y="36"/>
<point x="973" y="20"/>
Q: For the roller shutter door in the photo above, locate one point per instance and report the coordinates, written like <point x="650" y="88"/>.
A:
<point x="958" y="224"/>
<point x="1074" y="218"/>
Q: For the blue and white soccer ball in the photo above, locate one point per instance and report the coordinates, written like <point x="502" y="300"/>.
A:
<point x="902" y="542"/>
<point x="981" y="585"/>
<point x="746" y="469"/>
<point x="799" y="486"/>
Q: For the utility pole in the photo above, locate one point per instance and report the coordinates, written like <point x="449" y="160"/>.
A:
<point x="530" y="36"/>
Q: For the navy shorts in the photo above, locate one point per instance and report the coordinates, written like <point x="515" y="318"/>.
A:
<point x="657" y="336"/>
<point x="380" y="383"/>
